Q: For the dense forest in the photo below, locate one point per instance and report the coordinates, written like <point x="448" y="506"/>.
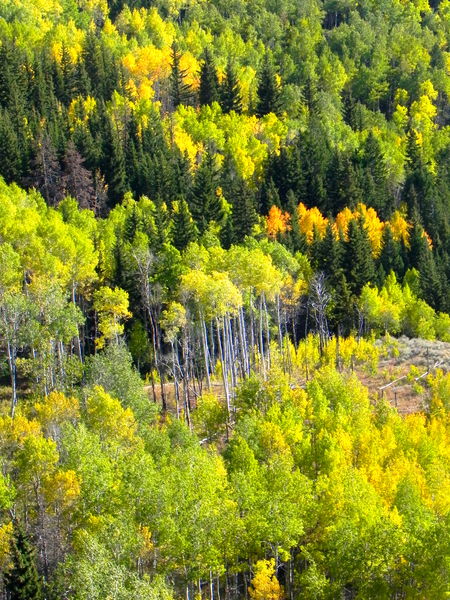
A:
<point x="215" y="217"/>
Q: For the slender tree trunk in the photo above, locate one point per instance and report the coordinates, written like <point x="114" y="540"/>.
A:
<point x="11" y="350"/>
<point x="261" y="340"/>
<point x="224" y="373"/>
<point x="204" y="337"/>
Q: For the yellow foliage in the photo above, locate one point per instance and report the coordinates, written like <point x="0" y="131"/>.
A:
<point x="265" y="585"/>
<point x="6" y="533"/>
<point x="107" y="416"/>
<point x="311" y="219"/>
<point x="56" y="409"/>
<point x="400" y="227"/>
<point x="277" y="222"/>
<point x="61" y="489"/>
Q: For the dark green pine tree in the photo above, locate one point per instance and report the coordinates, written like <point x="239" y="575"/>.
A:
<point x="268" y="197"/>
<point x="374" y="178"/>
<point x="184" y="230"/>
<point x="358" y="263"/>
<point x="22" y="581"/>
<point x="180" y="91"/>
<point x="93" y="62"/>
<point x="230" y="93"/>
<point x="162" y="222"/>
<point x="227" y="238"/>
<point x="181" y="180"/>
<point x="329" y="256"/>
<point x="209" y="82"/>
<point x="114" y="164"/>
<point x="268" y="90"/>
<point x="131" y="224"/>
<point x="342" y="304"/>
<point x="342" y="183"/>
<point x="431" y="281"/>
<point x="391" y="254"/>
<point x="205" y="204"/>
<point x="418" y="245"/>
<point x="65" y="81"/>
<point x="314" y="155"/>
<point x="10" y="156"/>
<point x="244" y="215"/>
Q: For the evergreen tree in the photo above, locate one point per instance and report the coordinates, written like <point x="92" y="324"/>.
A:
<point x="22" y="581"/>
<point x="313" y="154"/>
<point x="230" y="94"/>
<point x="209" y="82"/>
<point x="358" y="262"/>
<point x="10" y="157"/>
<point x="180" y="91"/>
<point x="374" y="177"/>
<point x="342" y="183"/>
<point x="391" y="257"/>
<point x="268" y="90"/>
<point x="205" y="203"/>
<point x="46" y="175"/>
<point x="269" y="197"/>
<point x="329" y="256"/>
<point x="244" y="215"/>
<point x="184" y="230"/>
<point x="114" y="163"/>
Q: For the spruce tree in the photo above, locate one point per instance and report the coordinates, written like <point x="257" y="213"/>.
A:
<point x="342" y="183"/>
<point x="209" y="82"/>
<point x="114" y="164"/>
<point x="22" y="581"/>
<point x="391" y="258"/>
<point x="205" y="204"/>
<point x="230" y="94"/>
<point x="329" y="256"/>
<point x="268" y="90"/>
<point x="358" y="262"/>
<point x="184" y="230"/>
<point x="46" y="174"/>
<point x="10" y="156"/>
<point x="374" y="177"/>
<point x="244" y="215"/>
<point x="180" y="91"/>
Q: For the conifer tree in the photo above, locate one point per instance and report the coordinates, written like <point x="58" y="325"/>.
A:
<point x="230" y="94"/>
<point x="342" y="183"/>
<point x="180" y="91"/>
<point x="244" y="215"/>
<point x="329" y="256"/>
<point x="205" y="203"/>
<point x="374" y="177"/>
<point x="114" y="163"/>
<point x="358" y="262"/>
<point x="390" y="257"/>
<point x="268" y="90"/>
<point x="22" y="581"/>
<point x="184" y="230"/>
<point x="46" y="175"/>
<point x="10" y="158"/>
<point x="209" y="82"/>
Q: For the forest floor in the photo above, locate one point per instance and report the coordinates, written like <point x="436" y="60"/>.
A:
<point x="394" y="380"/>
